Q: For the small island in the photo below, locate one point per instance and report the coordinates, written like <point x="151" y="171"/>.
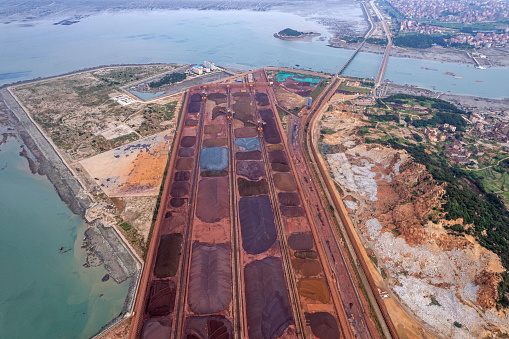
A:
<point x="291" y="34"/>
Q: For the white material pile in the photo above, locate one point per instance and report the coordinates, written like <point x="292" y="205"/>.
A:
<point x="358" y="179"/>
<point x="419" y="271"/>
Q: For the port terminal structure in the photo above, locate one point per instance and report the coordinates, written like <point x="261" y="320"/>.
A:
<point x="238" y="235"/>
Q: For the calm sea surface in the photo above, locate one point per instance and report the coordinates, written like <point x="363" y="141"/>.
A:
<point x="46" y="294"/>
<point x="241" y="39"/>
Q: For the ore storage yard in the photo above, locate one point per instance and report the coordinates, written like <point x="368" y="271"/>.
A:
<point x="235" y="251"/>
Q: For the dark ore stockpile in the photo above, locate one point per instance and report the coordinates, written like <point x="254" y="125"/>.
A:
<point x="168" y="255"/>
<point x="249" y="188"/>
<point x="267" y="306"/>
<point x="300" y="241"/>
<point x="270" y="131"/>
<point x="262" y="99"/>
<point x="304" y="93"/>
<point x="212" y="129"/>
<point x="323" y="325"/>
<point x="248" y="144"/>
<point x="292" y="211"/>
<point x="307" y="267"/>
<point x="278" y="157"/>
<point x="218" y="98"/>
<point x="207" y="174"/>
<point x="182" y="176"/>
<point x="188" y="141"/>
<point x="194" y="103"/>
<point x="314" y="288"/>
<point x="216" y="142"/>
<point x="288" y="199"/>
<point x="210" y="278"/>
<point x="161" y="298"/>
<point x="285" y="182"/>
<point x="243" y="107"/>
<point x="246" y="132"/>
<point x="179" y="189"/>
<point x="280" y="168"/>
<point x="212" y="203"/>
<point x="208" y="327"/>
<point x="214" y="158"/>
<point x="185" y="152"/>
<point x="218" y="111"/>
<point x="191" y="122"/>
<point x="254" y="155"/>
<point x="177" y="202"/>
<point x="184" y="164"/>
<point x="253" y="170"/>
<point x="308" y="254"/>
<point x="256" y="224"/>
<point x="275" y="147"/>
<point x="156" y="329"/>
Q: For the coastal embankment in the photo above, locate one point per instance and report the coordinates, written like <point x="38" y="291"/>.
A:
<point x="104" y="245"/>
<point x="496" y="57"/>
<point x="467" y="102"/>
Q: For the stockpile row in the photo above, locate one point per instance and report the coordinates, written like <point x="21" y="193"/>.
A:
<point x="312" y="286"/>
<point x="160" y="300"/>
<point x="209" y="286"/>
<point x="267" y="306"/>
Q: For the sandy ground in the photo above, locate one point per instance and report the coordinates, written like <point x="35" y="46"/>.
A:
<point x="135" y="169"/>
<point x="138" y="212"/>
<point x="120" y="331"/>
<point x="287" y="99"/>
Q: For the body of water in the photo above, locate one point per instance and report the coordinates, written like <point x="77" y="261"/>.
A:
<point x="240" y="39"/>
<point x="45" y="291"/>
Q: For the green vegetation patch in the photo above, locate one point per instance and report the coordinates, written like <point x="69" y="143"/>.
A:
<point x="290" y="32"/>
<point x="361" y="90"/>
<point x="419" y="40"/>
<point x="319" y="88"/>
<point x="467" y="198"/>
<point x="376" y="41"/>
<point x="100" y="144"/>
<point x="168" y="79"/>
<point x="444" y="112"/>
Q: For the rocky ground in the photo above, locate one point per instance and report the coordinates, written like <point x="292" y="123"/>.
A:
<point x="393" y="201"/>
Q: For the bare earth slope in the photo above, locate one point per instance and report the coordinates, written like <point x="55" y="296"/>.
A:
<point x="440" y="277"/>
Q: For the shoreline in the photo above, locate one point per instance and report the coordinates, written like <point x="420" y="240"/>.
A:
<point x="81" y="70"/>
<point x="101" y="241"/>
<point x="306" y="37"/>
<point x="497" y="57"/>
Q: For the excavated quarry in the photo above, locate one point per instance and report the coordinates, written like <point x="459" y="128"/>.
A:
<point x="440" y="277"/>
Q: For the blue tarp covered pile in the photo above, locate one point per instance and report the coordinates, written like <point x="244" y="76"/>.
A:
<point x="248" y="144"/>
<point x="214" y="158"/>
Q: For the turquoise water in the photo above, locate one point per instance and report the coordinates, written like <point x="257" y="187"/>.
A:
<point x="282" y="76"/>
<point x="44" y="293"/>
<point x="239" y="39"/>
